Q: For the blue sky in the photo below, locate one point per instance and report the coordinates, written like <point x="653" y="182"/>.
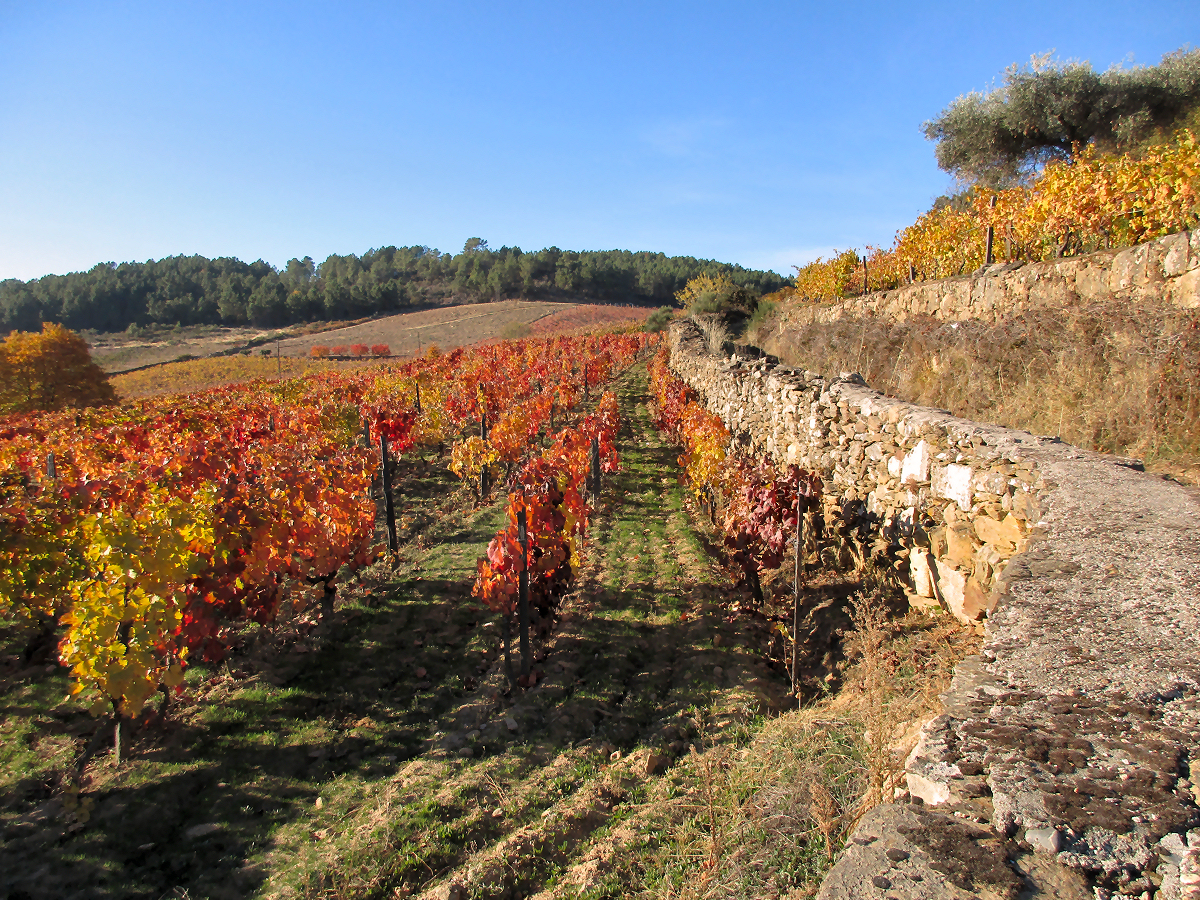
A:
<point x="757" y="133"/>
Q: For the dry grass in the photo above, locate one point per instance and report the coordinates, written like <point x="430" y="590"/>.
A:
<point x="716" y="332"/>
<point x="769" y="817"/>
<point x="122" y="351"/>
<point x="1106" y="376"/>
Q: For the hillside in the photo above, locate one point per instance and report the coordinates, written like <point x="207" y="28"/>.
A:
<point x="150" y="363"/>
<point x="195" y="290"/>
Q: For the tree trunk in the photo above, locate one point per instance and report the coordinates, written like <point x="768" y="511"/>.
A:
<point x="327" y="597"/>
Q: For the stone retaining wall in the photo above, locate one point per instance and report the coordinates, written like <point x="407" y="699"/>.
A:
<point x="1066" y="762"/>
<point x="1166" y="268"/>
<point x="958" y="505"/>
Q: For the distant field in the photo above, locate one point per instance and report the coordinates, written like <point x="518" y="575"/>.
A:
<point x="448" y="327"/>
<point x="589" y="316"/>
<point x="199" y="374"/>
<point x="121" y="351"/>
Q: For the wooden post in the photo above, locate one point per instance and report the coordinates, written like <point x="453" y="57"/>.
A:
<point x="585" y="384"/>
<point x="51" y="467"/>
<point x="595" y="471"/>
<point x="418" y="384"/>
<point x="866" y="283"/>
<point x="483" y="472"/>
<point x="989" y="257"/>
<point x="523" y="591"/>
<point x="271" y="423"/>
<point x="386" y="476"/>
<point x="912" y="273"/>
<point x="796" y="598"/>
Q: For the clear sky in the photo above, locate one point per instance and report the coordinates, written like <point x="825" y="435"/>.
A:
<point x="757" y="133"/>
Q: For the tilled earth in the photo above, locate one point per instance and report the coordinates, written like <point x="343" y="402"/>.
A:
<point x="382" y="753"/>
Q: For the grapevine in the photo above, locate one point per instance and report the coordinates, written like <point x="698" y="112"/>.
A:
<point x="162" y="523"/>
<point x="1091" y="202"/>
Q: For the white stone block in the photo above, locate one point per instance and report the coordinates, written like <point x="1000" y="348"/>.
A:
<point x="952" y="585"/>
<point x="953" y="482"/>
<point x="915" y="468"/>
<point x="921" y="571"/>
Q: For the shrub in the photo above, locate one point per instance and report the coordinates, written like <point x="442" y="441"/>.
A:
<point x="381" y="350"/>
<point x="320" y="351"/>
<point x="359" y="349"/>
<point x="659" y="319"/>
<point x="765" y="311"/>
<point x="339" y="350"/>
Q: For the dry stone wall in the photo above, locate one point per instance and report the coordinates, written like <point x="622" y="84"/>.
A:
<point x="1166" y="268"/>
<point x="959" y="498"/>
<point x="1068" y="750"/>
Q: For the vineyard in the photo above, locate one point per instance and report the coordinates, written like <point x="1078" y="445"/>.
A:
<point x="1093" y="202"/>
<point x="481" y="621"/>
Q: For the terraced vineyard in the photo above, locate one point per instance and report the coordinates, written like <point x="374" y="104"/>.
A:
<point x="379" y="752"/>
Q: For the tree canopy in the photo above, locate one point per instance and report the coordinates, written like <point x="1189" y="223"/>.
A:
<point x="194" y="290"/>
<point x="50" y="370"/>
<point x="1043" y="110"/>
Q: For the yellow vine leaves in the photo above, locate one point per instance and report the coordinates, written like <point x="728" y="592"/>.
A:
<point x="123" y="625"/>
<point x="1092" y="202"/>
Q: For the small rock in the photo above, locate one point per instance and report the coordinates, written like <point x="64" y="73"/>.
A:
<point x="614" y="756"/>
<point x="497" y="813"/>
<point x="320" y="802"/>
<point x="718" y="671"/>
<point x="1046" y="840"/>
<point x="510" y="723"/>
<point x="656" y="763"/>
<point x="466" y="752"/>
<point x="149" y="846"/>
<point x="420" y="673"/>
<point x="198" y="831"/>
<point x="895" y="854"/>
<point x="881" y="882"/>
